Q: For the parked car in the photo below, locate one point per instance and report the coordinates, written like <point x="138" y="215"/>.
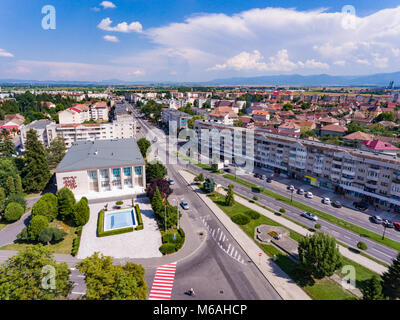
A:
<point x="326" y="200"/>
<point x="185" y="205"/>
<point x="388" y="223"/>
<point x="377" y="219"/>
<point x="300" y="191"/>
<point x="362" y="206"/>
<point x="336" y="204"/>
<point x="291" y="187"/>
<point x="309" y="215"/>
<point x="171" y="181"/>
<point x="309" y="195"/>
<point x="396" y="225"/>
<point x="269" y="180"/>
<point x="257" y="175"/>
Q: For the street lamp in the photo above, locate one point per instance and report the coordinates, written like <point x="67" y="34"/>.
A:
<point x="384" y="229"/>
<point x="291" y="195"/>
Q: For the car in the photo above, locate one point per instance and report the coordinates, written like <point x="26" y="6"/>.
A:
<point x="269" y="180"/>
<point x="326" y="200"/>
<point x="309" y="195"/>
<point x="336" y="204"/>
<point x="155" y="139"/>
<point x="291" y="187"/>
<point x="185" y="205"/>
<point x="171" y="181"/>
<point x="388" y="223"/>
<point x="300" y="191"/>
<point x="396" y="225"/>
<point x="362" y="206"/>
<point x="257" y="175"/>
<point x="377" y="219"/>
<point x="309" y="215"/>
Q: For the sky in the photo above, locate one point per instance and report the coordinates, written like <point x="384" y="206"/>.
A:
<point x="196" y="40"/>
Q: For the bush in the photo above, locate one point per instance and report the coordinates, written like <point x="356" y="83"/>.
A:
<point x="46" y="206"/>
<point x="51" y="235"/>
<point x="23" y="235"/>
<point x="18" y="198"/>
<point x="38" y="224"/>
<point x="282" y="210"/>
<point x="75" y="246"/>
<point x="139" y="218"/>
<point x="255" y="198"/>
<point x="167" y="248"/>
<point x="66" y="204"/>
<point x="361" y="245"/>
<point x="252" y="214"/>
<point x="240" y="219"/>
<point x="119" y="203"/>
<point x="317" y="226"/>
<point x="81" y="212"/>
<point x="13" y="212"/>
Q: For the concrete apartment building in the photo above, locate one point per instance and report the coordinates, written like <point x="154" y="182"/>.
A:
<point x="99" y="111"/>
<point x="102" y="168"/>
<point x="181" y="118"/>
<point x="357" y="174"/>
<point x="45" y="130"/>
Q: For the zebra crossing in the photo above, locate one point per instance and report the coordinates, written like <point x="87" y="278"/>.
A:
<point x="163" y="282"/>
<point x="222" y="241"/>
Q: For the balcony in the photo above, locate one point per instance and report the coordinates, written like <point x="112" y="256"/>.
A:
<point x="337" y="162"/>
<point x="348" y="173"/>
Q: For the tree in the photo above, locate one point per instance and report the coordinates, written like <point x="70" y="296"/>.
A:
<point x="391" y="280"/>
<point x="229" y="198"/>
<point x="7" y="147"/>
<point x="66" y="203"/>
<point x="162" y="185"/>
<point x="13" y="212"/>
<point x="209" y="185"/>
<point x="155" y="171"/>
<point x="319" y="255"/>
<point x="143" y="145"/>
<point x="56" y="151"/>
<point x="10" y="186"/>
<point x="385" y="116"/>
<point x="46" y="206"/>
<point x="81" y="212"/>
<point x="19" y="198"/>
<point x="18" y="185"/>
<point x="51" y="234"/>
<point x="107" y="281"/>
<point x="35" y="174"/>
<point x="7" y="169"/>
<point x="199" y="178"/>
<point x="38" y="224"/>
<point x="372" y="289"/>
<point x="2" y="199"/>
<point x="287" y="107"/>
<point x="157" y="203"/>
<point x="21" y="277"/>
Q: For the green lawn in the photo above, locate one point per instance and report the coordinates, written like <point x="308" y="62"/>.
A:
<point x="344" y="224"/>
<point x="64" y="246"/>
<point x="325" y="289"/>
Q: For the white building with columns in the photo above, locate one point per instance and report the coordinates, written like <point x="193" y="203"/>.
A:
<point x="103" y="169"/>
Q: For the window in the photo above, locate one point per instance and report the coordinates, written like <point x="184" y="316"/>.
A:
<point x="116" y="173"/>
<point x="105" y="184"/>
<point x="127" y="172"/>
<point x="138" y="170"/>
<point x="104" y="173"/>
<point x="92" y="174"/>
<point x="128" y="181"/>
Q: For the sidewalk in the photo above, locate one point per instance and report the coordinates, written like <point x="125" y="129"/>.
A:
<point x="282" y="283"/>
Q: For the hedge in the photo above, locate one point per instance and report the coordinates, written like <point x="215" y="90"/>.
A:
<point x="75" y="246"/>
<point x="167" y="248"/>
<point x="101" y="233"/>
<point x="252" y="214"/>
<point x="240" y="219"/>
<point x="139" y="218"/>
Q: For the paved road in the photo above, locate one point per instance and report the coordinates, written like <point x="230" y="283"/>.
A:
<point x="346" y="213"/>
<point x="221" y="269"/>
<point x="350" y="238"/>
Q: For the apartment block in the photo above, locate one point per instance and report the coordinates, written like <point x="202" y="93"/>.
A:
<point x="356" y="174"/>
<point x="179" y="117"/>
<point x="45" y="130"/>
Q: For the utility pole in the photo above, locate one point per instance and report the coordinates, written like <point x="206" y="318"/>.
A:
<point x="177" y="216"/>
<point x="384" y="229"/>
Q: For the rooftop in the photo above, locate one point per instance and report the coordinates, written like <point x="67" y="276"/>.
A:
<point x="85" y="155"/>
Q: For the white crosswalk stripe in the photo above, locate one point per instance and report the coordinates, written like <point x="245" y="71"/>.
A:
<point x="163" y="282"/>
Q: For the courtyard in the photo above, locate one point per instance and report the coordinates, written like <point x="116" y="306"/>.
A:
<point x="137" y="244"/>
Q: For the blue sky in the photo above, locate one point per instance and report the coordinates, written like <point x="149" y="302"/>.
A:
<point x="193" y="40"/>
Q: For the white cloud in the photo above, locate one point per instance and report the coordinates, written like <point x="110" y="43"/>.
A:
<point x="246" y="61"/>
<point x="108" y="5"/>
<point x="95" y="9"/>
<point x="138" y="72"/>
<point x="4" y="53"/>
<point x="111" y="38"/>
<point x="105" y="24"/>
<point x="340" y="63"/>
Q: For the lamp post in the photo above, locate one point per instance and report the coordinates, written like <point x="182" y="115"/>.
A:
<point x="384" y="229"/>
<point x="291" y="195"/>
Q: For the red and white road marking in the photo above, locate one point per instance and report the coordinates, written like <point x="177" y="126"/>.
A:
<point x="163" y="282"/>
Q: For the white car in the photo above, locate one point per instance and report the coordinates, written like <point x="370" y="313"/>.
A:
<point x="310" y="216"/>
<point x="326" y="200"/>
<point x="309" y="195"/>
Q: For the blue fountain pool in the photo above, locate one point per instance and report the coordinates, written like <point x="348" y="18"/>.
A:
<point x="119" y="219"/>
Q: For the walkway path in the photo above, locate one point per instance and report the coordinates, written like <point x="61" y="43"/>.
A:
<point x="284" y="285"/>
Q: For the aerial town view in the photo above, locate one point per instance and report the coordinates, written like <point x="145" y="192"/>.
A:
<point x="206" y="158"/>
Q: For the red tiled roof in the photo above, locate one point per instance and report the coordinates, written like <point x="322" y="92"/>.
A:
<point x="379" y="145"/>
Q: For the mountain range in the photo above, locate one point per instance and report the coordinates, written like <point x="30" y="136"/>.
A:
<point x="379" y="79"/>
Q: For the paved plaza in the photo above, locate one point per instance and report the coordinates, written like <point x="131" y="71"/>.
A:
<point x="137" y="244"/>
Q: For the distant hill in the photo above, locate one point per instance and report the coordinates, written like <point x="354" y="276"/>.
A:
<point x="379" y="79"/>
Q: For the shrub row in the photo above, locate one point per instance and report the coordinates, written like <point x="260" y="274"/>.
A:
<point x="139" y="218"/>
<point x="75" y="246"/>
<point x="101" y="233"/>
<point x="169" y="244"/>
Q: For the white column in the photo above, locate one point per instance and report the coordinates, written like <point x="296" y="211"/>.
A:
<point x="98" y="181"/>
